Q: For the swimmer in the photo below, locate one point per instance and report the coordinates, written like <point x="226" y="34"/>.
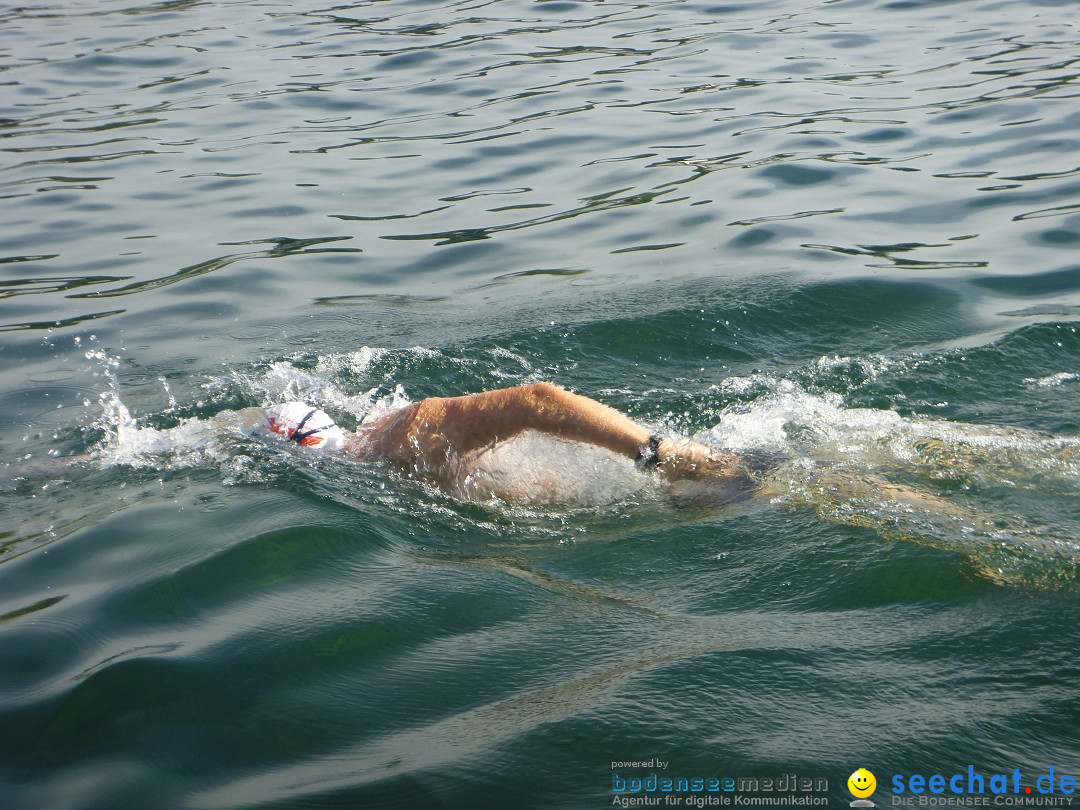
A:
<point x="456" y="442"/>
<point x="451" y="441"/>
<point x="444" y="440"/>
<point x="441" y="438"/>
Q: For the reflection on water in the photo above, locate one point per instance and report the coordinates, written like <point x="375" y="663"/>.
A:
<point x="838" y="136"/>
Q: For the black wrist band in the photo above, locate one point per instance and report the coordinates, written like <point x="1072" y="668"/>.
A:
<point x="649" y="455"/>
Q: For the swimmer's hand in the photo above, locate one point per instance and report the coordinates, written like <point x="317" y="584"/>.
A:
<point x="688" y="460"/>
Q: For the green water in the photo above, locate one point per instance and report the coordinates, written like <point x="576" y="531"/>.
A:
<point x="839" y="234"/>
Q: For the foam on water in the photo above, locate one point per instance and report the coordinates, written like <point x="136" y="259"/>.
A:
<point x="530" y="469"/>
<point x="790" y="419"/>
<point x="191" y="443"/>
<point x="1053" y="380"/>
<point x="916" y="477"/>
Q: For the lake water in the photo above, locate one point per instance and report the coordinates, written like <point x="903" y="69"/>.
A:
<point x="842" y="233"/>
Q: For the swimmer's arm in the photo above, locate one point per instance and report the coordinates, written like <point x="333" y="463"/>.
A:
<point x="429" y="430"/>
<point x="478" y="420"/>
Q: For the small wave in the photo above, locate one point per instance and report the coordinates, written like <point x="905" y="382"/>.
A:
<point x="1053" y="380"/>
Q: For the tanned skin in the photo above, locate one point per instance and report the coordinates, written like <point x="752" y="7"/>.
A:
<point x="432" y="435"/>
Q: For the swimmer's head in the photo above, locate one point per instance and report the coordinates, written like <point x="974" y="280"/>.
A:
<point x="307" y="426"/>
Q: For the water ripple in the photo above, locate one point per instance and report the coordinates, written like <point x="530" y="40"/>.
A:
<point x="372" y="117"/>
<point x="839" y="229"/>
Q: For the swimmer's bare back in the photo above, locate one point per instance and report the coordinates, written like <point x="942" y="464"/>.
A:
<point x="435" y="435"/>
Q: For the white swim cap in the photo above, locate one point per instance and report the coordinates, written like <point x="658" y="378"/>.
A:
<point x="307" y="426"/>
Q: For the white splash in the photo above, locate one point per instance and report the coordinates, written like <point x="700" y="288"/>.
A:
<point x="1052" y="380"/>
<point x="535" y="468"/>
<point x="818" y="426"/>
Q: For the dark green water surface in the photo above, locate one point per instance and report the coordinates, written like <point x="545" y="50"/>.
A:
<point x="843" y="234"/>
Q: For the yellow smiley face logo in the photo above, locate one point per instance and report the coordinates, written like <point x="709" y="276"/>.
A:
<point x="861" y="783"/>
